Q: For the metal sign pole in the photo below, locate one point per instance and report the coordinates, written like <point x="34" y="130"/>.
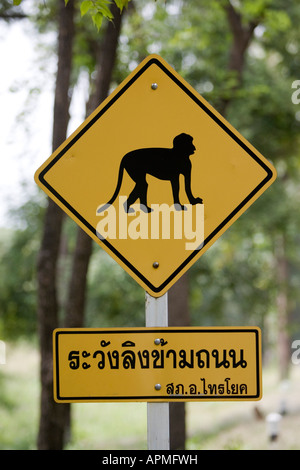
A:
<point x="158" y="414"/>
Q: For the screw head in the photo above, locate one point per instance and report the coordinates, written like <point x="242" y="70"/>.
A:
<point x="155" y="264"/>
<point x="154" y="86"/>
<point x="157" y="341"/>
<point x="157" y="387"/>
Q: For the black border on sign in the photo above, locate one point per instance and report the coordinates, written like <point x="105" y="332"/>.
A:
<point x="91" y="229"/>
<point x="160" y="397"/>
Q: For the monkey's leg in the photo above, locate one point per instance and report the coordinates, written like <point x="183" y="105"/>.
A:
<point x="133" y="196"/>
<point x="143" y="187"/>
<point x="175" y="190"/>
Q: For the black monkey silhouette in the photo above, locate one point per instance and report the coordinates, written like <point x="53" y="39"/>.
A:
<point x="162" y="163"/>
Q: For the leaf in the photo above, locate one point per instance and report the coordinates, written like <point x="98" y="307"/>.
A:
<point x="121" y="4"/>
<point x="85" y="6"/>
<point x="103" y="9"/>
<point x="17" y="2"/>
<point x="97" y="19"/>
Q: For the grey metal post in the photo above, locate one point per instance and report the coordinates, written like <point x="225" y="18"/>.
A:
<point x="158" y="414"/>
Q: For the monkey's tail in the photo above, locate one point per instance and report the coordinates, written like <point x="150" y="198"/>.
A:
<point x="117" y="190"/>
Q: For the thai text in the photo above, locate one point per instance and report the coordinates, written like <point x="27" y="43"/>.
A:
<point x="205" y="388"/>
<point x="129" y="357"/>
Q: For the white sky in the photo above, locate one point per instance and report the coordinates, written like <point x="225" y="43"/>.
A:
<point x="22" y="140"/>
<point x="26" y="118"/>
<point x="25" y="139"/>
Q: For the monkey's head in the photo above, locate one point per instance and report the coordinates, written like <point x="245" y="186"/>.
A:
<point x="183" y="143"/>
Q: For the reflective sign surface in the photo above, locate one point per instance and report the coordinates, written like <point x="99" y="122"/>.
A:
<point x="157" y="364"/>
<point x="155" y="175"/>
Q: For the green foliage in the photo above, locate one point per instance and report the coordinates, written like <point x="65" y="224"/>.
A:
<point x="97" y="9"/>
<point x="100" y="9"/>
<point x="235" y="281"/>
<point x="114" y="298"/>
<point x="18" y="251"/>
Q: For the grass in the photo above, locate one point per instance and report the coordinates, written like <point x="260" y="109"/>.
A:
<point x="19" y="397"/>
<point x="242" y="425"/>
<point x="109" y="426"/>
<point x="123" y="426"/>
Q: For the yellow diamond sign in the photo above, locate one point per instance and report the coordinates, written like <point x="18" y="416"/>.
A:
<point x="155" y="175"/>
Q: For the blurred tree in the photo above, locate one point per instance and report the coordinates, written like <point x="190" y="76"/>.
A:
<point x="105" y="56"/>
<point x="51" y="428"/>
<point x="54" y="418"/>
<point x="243" y="58"/>
<point x="204" y="23"/>
<point x="18" y="248"/>
<point x="9" y="11"/>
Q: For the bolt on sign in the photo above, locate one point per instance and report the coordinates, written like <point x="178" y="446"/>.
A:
<point x="157" y="364"/>
<point x="155" y="175"/>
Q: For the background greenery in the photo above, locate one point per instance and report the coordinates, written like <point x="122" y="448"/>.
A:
<point x="237" y="281"/>
<point x="123" y="426"/>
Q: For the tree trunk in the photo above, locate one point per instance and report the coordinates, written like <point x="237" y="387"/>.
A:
<point x="75" y="306"/>
<point x="178" y="294"/>
<point x="242" y="35"/>
<point x="52" y="415"/>
<point x="105" y="64"/>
